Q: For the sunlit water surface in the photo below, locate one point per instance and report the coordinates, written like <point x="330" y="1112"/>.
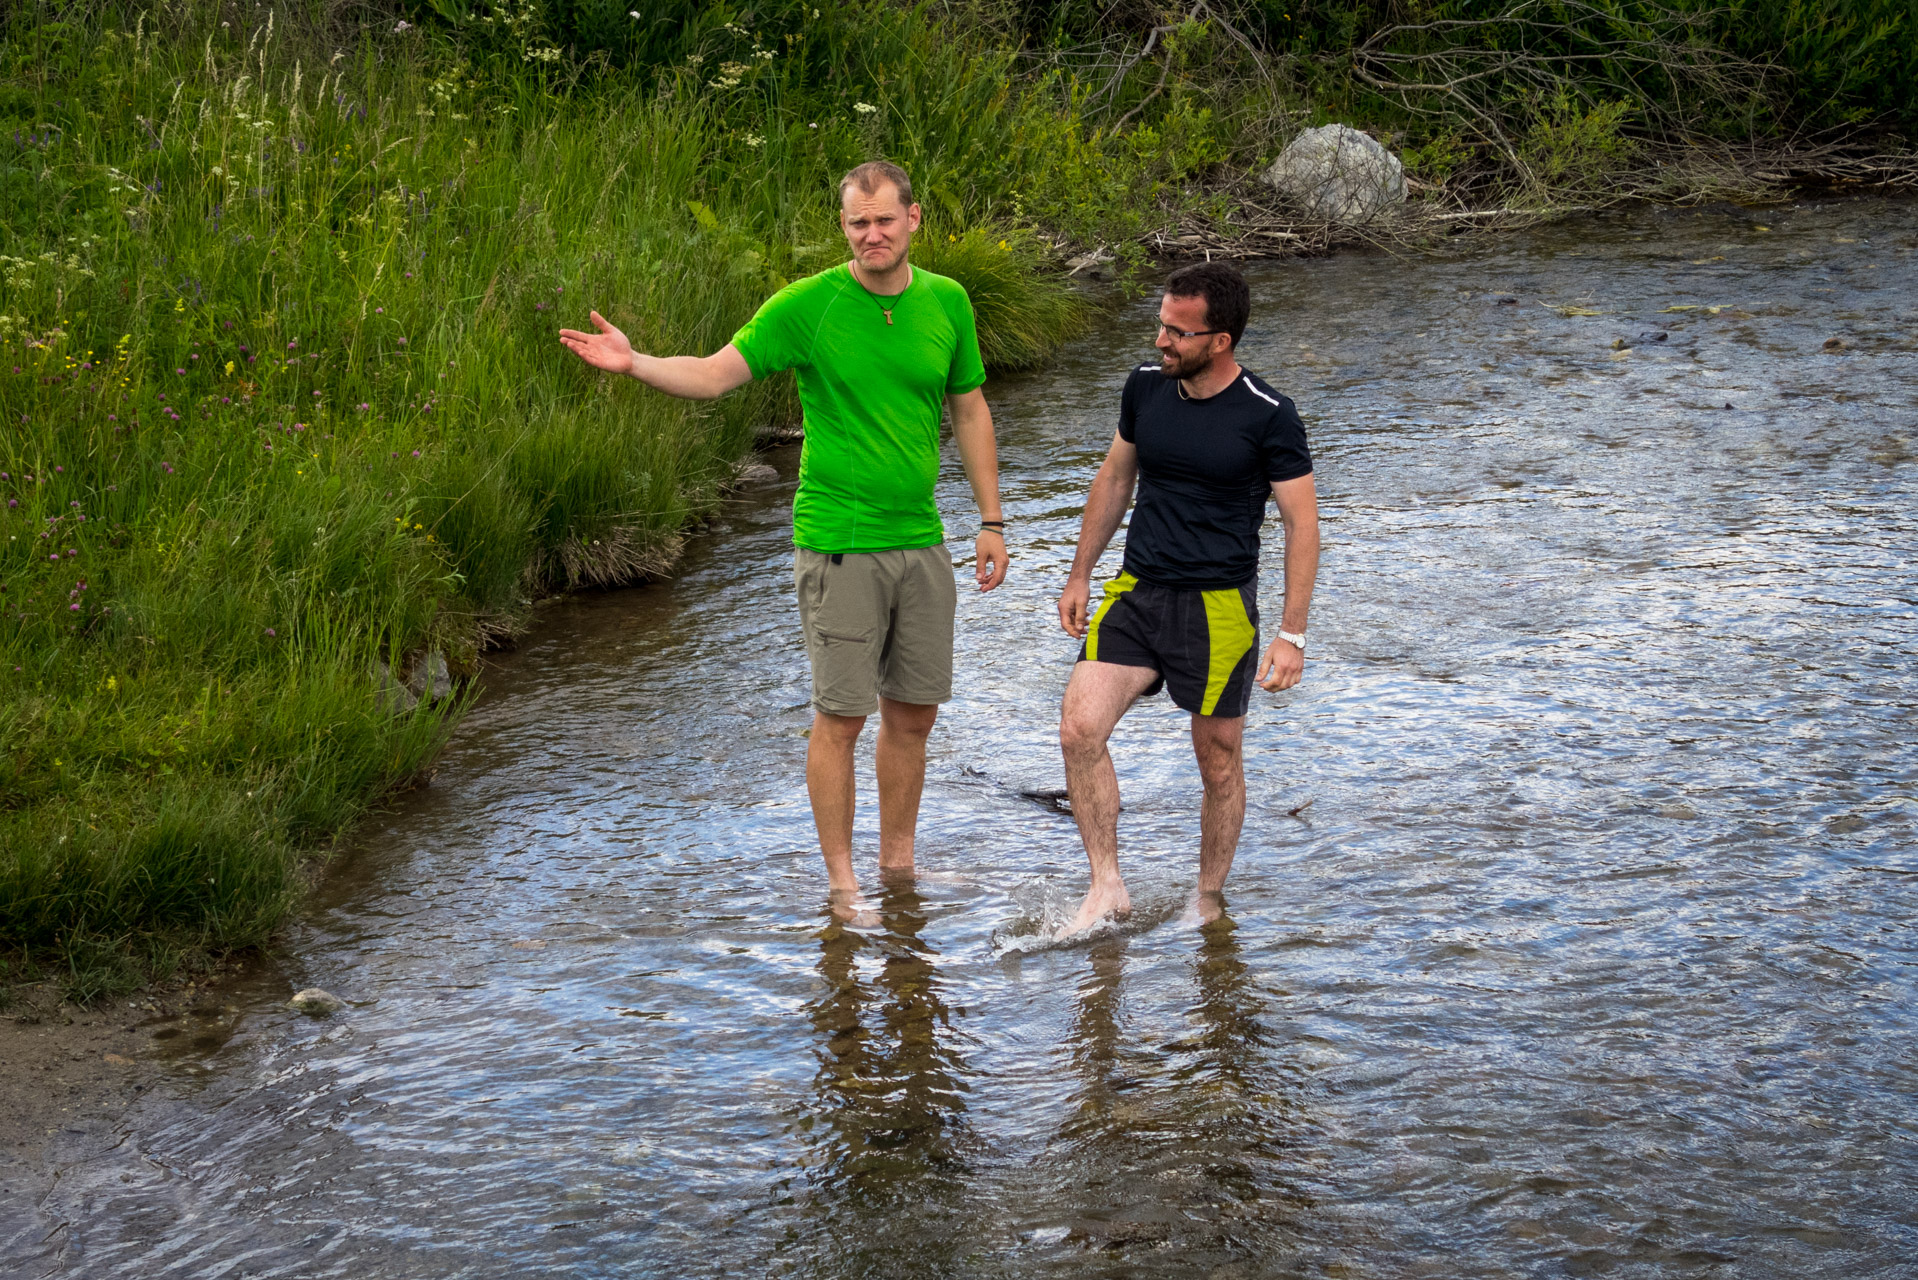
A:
<point x="1590" y="950"/>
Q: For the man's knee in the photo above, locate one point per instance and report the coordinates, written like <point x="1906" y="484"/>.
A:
<point x="836" y="731"/>
<point x="1082" y="736"/>
<point x="1220" y="757"/>
<point x="913" y="719"/>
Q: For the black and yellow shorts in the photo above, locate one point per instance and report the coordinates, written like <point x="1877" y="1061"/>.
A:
<point x="1203" y="644"/>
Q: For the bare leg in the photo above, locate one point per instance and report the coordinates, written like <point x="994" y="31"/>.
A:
<point x="1096" y="697"/>
<point x="829" y="783"/>
<point x="901" y="765"/>
<point x="1218" y="743"/>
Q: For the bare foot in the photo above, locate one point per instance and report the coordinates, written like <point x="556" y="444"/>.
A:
<point x="853" y="909"/>
<point x="1103" y="902"/>
<point x="1204" y="908"/>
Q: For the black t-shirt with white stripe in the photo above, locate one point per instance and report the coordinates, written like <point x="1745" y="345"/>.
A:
<point x="1205" y="473"/>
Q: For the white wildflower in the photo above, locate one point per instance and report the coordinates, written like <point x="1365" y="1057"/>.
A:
<point x="864" y="108"/>
<point x="404" y="26"/>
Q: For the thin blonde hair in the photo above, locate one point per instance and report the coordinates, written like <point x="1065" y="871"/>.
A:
<point x="869" y="176"/>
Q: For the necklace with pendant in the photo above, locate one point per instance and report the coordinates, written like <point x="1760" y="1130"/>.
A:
<point x="884" y="310"/>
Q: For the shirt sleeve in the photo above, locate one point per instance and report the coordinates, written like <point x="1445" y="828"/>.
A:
<point x="1129" y="409"/>
<point x="968" y="370"/>
<point x="775" y="338"/>
<point x="1287" y="456"/>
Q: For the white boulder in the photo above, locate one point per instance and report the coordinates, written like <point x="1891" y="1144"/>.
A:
<point x="1337" y="174"/>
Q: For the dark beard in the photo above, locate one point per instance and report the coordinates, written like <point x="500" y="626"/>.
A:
<point x="1187" y="371"/>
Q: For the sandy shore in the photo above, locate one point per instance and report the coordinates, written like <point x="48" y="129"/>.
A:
<point x="69" y="1077"/>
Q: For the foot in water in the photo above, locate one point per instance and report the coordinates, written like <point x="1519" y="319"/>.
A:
<point x="1203" y="909"/>
<point x="853" y="909"/>
<point x="1104" y="902"/>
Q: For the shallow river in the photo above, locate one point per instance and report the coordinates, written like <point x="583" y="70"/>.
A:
<point x="1572" y="931"/>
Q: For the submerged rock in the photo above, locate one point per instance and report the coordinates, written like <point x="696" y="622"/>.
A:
<point x="757" y="473"/>
<point x="1338" y="174"/>
<point x="1642" y="340"/>
<point x="316" y="1003"/>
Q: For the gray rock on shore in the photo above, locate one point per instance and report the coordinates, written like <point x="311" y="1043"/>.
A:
<point x="1337" y="174"/>
<point x="393" y="696"/>
<point x="316" y="1003"/>
<point x="431" y="679"/>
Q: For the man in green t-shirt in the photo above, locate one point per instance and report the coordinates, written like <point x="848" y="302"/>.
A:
<point x="879" y="349"/>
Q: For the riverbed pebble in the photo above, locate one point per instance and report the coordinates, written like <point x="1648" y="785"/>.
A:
<point x="316" y="1002"/>
<point x="758" y="473"/>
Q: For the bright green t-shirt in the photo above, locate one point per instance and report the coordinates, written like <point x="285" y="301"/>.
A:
<point x="872" y="394"/>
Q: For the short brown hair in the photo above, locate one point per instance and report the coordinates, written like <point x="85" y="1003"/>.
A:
<point x="868" y="177"/>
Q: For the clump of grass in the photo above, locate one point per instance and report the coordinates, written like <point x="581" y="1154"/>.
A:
<point x="1023" y="315"/>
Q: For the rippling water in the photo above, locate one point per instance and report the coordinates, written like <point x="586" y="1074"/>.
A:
<point x="1590" y="952"/>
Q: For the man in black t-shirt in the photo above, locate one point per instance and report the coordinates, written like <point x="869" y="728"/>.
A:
<point x="1204" y="441"/>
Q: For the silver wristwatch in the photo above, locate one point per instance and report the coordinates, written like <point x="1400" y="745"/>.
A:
<point x="1297" y="641"/>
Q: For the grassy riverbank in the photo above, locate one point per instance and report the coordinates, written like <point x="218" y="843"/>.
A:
<point x="282" y="405"/>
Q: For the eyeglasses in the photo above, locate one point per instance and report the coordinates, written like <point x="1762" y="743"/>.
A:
<point x="1187" y="333"/>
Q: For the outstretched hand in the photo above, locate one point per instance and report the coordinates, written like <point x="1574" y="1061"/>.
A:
<point x="607" y="349"/>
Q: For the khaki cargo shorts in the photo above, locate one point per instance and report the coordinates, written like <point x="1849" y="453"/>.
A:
<point x="878" y="625"/>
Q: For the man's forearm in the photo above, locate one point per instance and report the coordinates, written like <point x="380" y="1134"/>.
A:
<point x="979" y="455"/>
<point x="1301" y="572"/>
<point x="1105" y="508"/>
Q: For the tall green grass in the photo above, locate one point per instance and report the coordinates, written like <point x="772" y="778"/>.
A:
<point x="281" y="405"/>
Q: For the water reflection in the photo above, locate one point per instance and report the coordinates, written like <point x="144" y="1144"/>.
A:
<point x="887" y="1126"/>
<point x="1181" y="1149"/>
<point x="891" y="1080"/>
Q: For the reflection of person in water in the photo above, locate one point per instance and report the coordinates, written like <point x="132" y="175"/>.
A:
<point x="1180" y="1144"/>
<point x="890" y="1089"/>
